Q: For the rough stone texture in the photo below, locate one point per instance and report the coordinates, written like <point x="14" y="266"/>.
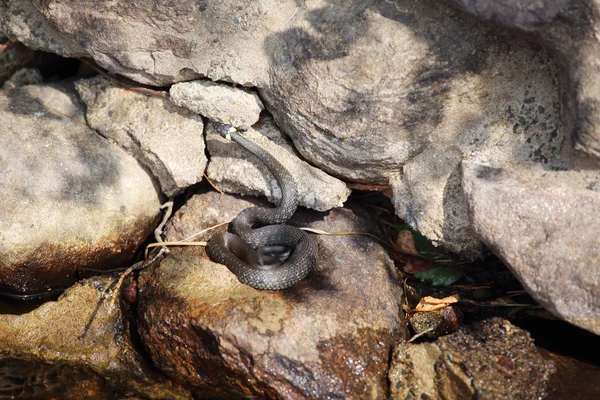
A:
<point x="492" y="359"/>
<point x="370" y="91"/>
<point x="328" y="337"/>
<point x="544" y="226"/>
<point x="166" y="139"/>
<point x="568" y="29"/>
<point x="23" y="77"/>
<point x="158" y="43"/>
<point x="235" y="170"/>
<point x="402" y="92"/>
<point x="70" y="199"/>
<point x="81" y="332"/>
<point x="13" y="56"/>
<point x="239" y="108"/>
<point x="573" y="378"/>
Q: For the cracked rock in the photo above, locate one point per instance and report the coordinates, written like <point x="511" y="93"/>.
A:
<point x="544" y="226"/>
<point x="236" y="170"/>
<point x="328" y="336"/>
<point x="166" y="139"/>
<point x="239" y="108"/>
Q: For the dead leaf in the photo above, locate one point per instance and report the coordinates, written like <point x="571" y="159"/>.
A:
<point x="429" y="303"/>
<point x="405" y="242"/>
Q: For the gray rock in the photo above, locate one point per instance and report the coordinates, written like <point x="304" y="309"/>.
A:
<point x="235" y="170"/>
<point x="158" y="43"/>
<point x="23" y="77"/>
<point x="545" y="227"/>
<point x="70" y="199"/>
<point x="222" y="103"/>
<point x="364" y="89"/>
<point x="166" y="139"/>
<point x="568" y="29"/>
<point x="81" y="333"/>
<point x="13" y="56"/>
<point x="330" y="336"/>
<point x="492" y="359"/>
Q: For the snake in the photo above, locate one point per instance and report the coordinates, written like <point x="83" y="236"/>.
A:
<point x="259" y="248"/>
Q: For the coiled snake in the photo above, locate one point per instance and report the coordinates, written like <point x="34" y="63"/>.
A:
<point x="257" y="249"/>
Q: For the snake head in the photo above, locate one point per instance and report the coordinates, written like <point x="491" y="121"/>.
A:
<point x="224" y="129"/>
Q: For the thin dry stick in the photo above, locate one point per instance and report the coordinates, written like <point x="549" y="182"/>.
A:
<point x="212" y="184"/>
<point x="158" y="236"/>
<point x="123" y="84"/>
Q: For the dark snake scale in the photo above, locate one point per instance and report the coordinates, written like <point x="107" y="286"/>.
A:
<point x="260" y="251"/>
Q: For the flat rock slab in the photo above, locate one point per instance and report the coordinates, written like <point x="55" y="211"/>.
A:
<point x="165" y="138"/>
<point x="222" y="103"/>
<point x="492" y="359"/>
<point x="70" y="199"/>
<point x="545" y="227"/>
<point x="236" y="170"/>
<point x="329" y="336"/>
<point x="83" y="334"/>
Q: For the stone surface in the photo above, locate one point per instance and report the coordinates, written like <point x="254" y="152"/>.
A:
<point x="235" y="170"/>
<point x="81" y="333"/>
<point x="386" y="92"/>
<point x="568" y="29"/>
<point x="166" y="139"/>
<point x="330" y="336"/>
<point x="492" y="359"/>
<point x="70" y="199"/>
<point x="544" y="226"/>
<point x="239" y="108"/>
<point x="369" y="91"/>
<point x="573" y="378"/>
<point x="23" y="77"/>
<point x="13" y="56"/>
<point x="158" y="43"/>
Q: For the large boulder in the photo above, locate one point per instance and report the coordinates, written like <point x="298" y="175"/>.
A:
<point x="70" y="199"/>
<point x="545" y="226"/>
<point x="329" y="336"/>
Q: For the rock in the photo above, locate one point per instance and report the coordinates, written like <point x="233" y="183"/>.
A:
<point x="369" y="91"/>
<point x="221" y="103"/>
<point x="80" y="334"/>
<point x="13" y="56"/>
<point x="544" y="226"/>
<point x="156" y="44"/>
<point x="327" y="337"/>
<point x="401" y="92"/>
<point x="166" y="139"/>
<point x="569" y="31"/>
<point x="492" y="359"/>
<point x="23" y="77"/>
<point x="236" y="170"/>
<point x="572" y="378"/>
<point x="70" y="199"/>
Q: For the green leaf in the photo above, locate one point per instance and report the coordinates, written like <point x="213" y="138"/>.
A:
<point x="441" y="276"/>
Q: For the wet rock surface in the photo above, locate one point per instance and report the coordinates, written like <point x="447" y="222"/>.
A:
<point x="329" y="336"/>
<point x="166" y="139"/>
<point x="80" y="334"/>
<point x="544" y="226"/>
<point x="218" y="102"/>
<point x="236" y="170"/>
<point x="489" y="360"/>
<point x="70" y="199"/>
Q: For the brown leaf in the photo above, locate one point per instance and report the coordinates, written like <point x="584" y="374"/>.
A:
<point x="405" y="242"/>
<point x="429" y="303"/>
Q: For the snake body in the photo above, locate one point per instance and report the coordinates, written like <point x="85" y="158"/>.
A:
<point x="260" y="251"/>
